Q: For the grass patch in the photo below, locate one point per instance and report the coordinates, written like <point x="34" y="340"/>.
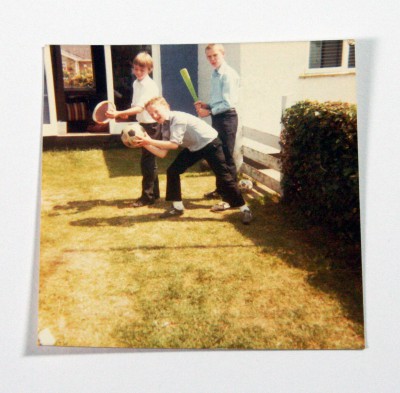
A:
<point x="114" y="276"/>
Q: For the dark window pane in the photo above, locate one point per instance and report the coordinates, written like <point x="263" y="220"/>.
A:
<point x="352" y="56"/>
<point x="315" y="54"/>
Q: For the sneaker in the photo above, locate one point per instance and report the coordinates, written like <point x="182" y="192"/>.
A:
<point x="142" y="202"/>
<point x="220" y="207"/>
<point x="171" y="213"/>
<point x="247" y="217"/>
<point x="212" y="195"/>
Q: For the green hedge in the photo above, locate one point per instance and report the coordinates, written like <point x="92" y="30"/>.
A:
<point x="320" y="163"/>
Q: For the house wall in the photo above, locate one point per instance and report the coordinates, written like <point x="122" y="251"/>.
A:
<point x="271" y="71"/>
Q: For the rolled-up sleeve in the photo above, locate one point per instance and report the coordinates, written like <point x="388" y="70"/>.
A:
<point x="177" y="132"/>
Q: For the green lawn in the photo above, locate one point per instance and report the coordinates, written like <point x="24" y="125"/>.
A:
<point x="114" y="276"/>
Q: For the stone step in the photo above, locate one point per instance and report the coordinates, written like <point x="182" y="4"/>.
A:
<point x="269" y="177"/>
<point x="265" y="155"/>
<point x="82" y="141"/>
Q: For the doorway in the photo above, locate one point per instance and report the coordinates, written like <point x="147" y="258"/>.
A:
<point x="79" y="75"/>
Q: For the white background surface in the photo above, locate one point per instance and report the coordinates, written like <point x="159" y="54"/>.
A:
<point x="27" y="26"/>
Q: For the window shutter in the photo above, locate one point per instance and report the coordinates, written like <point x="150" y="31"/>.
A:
<point x="325" y="54"/>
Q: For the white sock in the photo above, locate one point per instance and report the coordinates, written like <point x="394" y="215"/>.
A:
<point x="178" y="205"/>
<point x="244" y="208"/>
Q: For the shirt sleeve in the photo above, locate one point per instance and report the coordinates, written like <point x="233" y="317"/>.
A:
<point x="177" y="133"/>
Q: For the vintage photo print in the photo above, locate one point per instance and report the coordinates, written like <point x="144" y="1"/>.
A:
<point x="201" y="196"/>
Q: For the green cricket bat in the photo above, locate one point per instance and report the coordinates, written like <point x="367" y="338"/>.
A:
<point x="186" y="78"/>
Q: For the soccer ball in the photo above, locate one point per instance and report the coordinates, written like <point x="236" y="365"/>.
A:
<point x="245" y="185"/>
<point x="129" y="133"/>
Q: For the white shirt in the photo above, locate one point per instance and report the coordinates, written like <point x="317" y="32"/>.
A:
<point x="188" y="131"/>
<point x="144" y="91"/>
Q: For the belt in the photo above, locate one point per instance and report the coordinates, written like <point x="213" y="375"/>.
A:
<point x="231" y="111"/>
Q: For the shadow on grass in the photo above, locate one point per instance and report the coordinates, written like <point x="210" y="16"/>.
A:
<point x="126" y="162"/>
<point x="332" y="265"/>
<point x="159" y="248"/>
<point x="128" y="221"/>
<point x="75" y="207"/>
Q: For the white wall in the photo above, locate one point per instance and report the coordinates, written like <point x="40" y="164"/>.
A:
<point x="272" y="70"/>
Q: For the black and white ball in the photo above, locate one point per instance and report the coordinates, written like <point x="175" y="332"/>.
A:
<point x="130" y="132"/>
<point x="245" y="185"/>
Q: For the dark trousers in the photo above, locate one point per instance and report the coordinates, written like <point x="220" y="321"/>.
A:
<point x="226" y="124"/>
<point x="213" y="153"/>
<point x="148" y="166"/>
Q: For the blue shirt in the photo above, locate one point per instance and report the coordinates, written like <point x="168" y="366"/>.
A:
<point x="187" y="130"/>
<point x="225" y="84"/>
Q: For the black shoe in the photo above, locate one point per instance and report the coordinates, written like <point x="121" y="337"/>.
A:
<point x="141" y="203"/>
<point x="171" y="213"/>
<point x="212" y="195"/>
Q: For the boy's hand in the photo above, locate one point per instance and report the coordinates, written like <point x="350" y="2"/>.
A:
<point x="203" y="112"/>
<point x="202" y="109"/>
<point x="112" y="114"/>
<point x="199" y="105"/>
<point x="142" y="141"/>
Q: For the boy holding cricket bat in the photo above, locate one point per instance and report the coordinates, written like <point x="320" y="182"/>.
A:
<point x="144" y="88"/>
<point x="225" y="84"/>
<point x="199" y="141"/>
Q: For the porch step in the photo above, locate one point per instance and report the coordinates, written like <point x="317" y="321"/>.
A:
<point x="263" y="154"/>
<point x="269" y="177"/>
<point x="259" y="190"/>
<point x="82" y="141"/>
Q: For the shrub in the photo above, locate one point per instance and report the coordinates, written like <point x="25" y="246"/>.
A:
<point x="320" y="164"/>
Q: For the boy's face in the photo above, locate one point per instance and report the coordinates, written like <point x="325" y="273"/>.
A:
<point x="215" y="57"/>
<point x="140" y="71"/>
<point x="158" y="112"/>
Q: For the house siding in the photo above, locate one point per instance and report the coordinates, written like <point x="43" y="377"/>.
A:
<point x="271" y="71"/>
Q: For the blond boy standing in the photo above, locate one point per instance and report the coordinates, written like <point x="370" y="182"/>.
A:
<point x="225" y="84"/>
<point x="144" y="88"/>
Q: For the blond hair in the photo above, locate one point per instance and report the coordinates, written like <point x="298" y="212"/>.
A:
<point x="143" y="59"/>
<point x="219" y="47"/>
<point x="157" y="101"/>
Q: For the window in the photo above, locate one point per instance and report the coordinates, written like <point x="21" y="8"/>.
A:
<point x="325" y="54"/>
<point x="331" y="56"/>
<point x="77" y="67"/>
<point x="352" y="55"/>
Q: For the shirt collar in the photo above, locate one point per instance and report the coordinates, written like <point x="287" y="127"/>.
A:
<point x="144" y="80"/>
<point x="222" y="69"/>
<point x="167" y="122"/>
